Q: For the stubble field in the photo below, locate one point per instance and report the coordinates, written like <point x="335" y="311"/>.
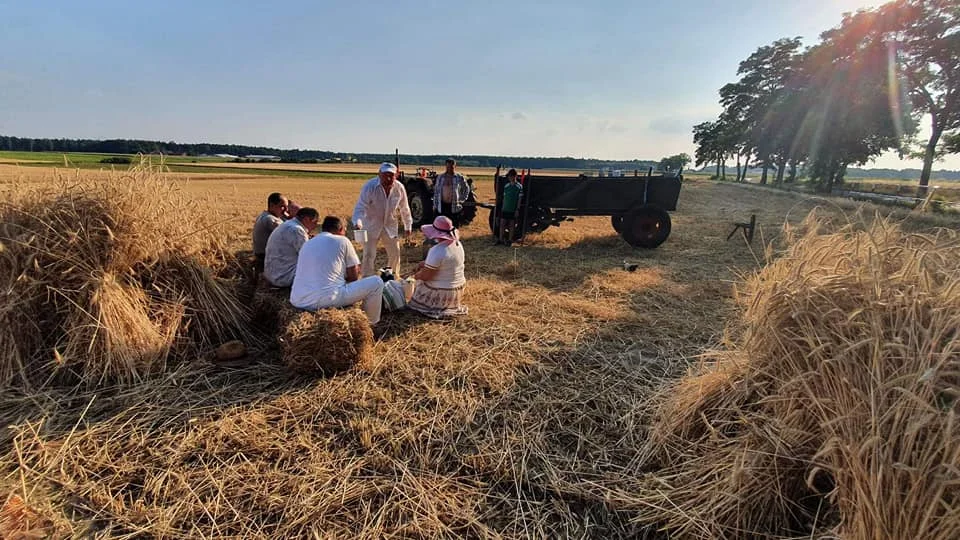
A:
<point x="523" y="419"/>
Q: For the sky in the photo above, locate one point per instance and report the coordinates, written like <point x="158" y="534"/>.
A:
<point x="609" y="79"/>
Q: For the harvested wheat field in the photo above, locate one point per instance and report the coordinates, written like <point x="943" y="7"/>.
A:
<point x="576" y="400"/>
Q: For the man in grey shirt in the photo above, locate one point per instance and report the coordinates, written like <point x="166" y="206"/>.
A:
<point x="283" y="247"/>
<point x="270" y="219"/>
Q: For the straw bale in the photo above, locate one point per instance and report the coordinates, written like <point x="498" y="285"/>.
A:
<point x="119" y="328"/>
<point x="833" y="411"/>
<point x="103" y="278"/>
<point x="327" y="341"/>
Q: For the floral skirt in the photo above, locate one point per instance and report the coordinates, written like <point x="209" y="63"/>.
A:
<point x="437" y="303"/>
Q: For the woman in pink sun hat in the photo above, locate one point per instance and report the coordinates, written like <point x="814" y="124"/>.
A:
<point x="440" y="278"/>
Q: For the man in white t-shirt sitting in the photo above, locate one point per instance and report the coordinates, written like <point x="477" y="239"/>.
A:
<point x="328" y="274"/>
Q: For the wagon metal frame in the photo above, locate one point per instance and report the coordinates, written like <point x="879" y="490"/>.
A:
<point x="638" y="205"/>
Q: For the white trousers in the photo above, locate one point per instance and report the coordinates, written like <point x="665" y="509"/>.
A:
<point x="368" y="265"/>
<point x="369" y="290"/>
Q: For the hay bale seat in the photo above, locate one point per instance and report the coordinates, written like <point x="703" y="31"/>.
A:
<point x="325" y="342"/>
<point x="832" y="409"/>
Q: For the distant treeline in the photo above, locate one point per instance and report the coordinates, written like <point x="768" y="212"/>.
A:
<point x="901" y="174"/>
<point x="134" y="146"/>
<point x="887" y="174"/>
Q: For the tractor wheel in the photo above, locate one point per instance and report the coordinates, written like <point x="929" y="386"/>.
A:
<point x="617" y="221"/>
<point x="420" y="208"/>
<point x="646" y="227"/>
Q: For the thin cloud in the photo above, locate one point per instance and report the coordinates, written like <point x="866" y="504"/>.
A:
<point x="672" y="125"/>
<point x="518" y="116"/>
<point x="610" y="126"/>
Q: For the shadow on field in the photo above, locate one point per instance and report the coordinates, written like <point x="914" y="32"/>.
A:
<point x="165" y="401"/>
<point x="475" y="427"/>
<point x="554" y="268"/>
<point x="396" y="324"/>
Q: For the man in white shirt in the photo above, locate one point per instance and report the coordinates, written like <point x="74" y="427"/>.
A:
<point x="283" y="246"/>
<point x="327" y="274"/>
<point x="381" y="198"/>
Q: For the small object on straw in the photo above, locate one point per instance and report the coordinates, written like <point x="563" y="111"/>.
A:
<point x="231" y="350"/>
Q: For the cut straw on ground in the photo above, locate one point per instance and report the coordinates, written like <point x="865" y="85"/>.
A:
<point x="559" y="408"/>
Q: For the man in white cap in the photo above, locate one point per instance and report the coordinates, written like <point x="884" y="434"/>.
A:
<point x="381" y="199"/>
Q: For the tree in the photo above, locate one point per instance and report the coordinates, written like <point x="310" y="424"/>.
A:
<point x="951" y="143"/>
<point x="706" y="136"/>
<point x="675" y="162"/>
<point x="927" y="38"/>
<point x="748" y="104"/>
<point x="848" y="96"/>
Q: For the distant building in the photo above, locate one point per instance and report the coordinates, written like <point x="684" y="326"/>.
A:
<point x="226" y="156"/>
<point x="257" y="157"/>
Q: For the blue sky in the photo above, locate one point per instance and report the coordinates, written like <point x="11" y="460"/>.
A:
<point x="607" y="79"/>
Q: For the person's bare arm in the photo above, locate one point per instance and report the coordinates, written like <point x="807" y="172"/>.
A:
<point x="353" y="273"/>
<point x="425" y="273"/>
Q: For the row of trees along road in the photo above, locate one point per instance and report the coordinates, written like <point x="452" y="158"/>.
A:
<point x="861" y="91"/>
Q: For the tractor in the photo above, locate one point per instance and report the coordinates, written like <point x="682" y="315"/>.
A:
<point x="419" y="188"/>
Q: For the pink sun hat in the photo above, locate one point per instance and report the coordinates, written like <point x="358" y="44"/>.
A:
<point x="442" y="229"/>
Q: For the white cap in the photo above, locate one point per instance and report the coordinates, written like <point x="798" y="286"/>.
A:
<point x="388" y="167"/>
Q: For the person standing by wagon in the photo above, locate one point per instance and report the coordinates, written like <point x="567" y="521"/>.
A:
<point x="381" y="199"/>
<point x="450" y="191"/>
<point x="512" y="192"/>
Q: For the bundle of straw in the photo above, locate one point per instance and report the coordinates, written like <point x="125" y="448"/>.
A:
<point x="102" y="278"/>
<point x="835" y="410"/>
<point x="326" y="342"/>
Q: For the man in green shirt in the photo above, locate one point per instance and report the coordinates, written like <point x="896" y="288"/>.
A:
<point x="508" y="208"/>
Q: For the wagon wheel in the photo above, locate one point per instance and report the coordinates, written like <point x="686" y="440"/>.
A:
<point x="617" y="221"/>
<point x="646" y="227"/>
<point x="537" y="219"/>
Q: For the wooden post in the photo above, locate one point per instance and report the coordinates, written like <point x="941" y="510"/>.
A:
<point x="525" y="201"/>
<point x="497" y="203"/>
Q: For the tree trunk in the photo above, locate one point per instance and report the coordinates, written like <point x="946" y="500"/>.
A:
<point x="738" y="166"/>
<point x="723" y="171"/>
<point x="763" y="177"/>
<point x="781" y="168"/>
<point x="717" y="176"/>
<point x="928" y="156"/>
<point x="793" y="172"/>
